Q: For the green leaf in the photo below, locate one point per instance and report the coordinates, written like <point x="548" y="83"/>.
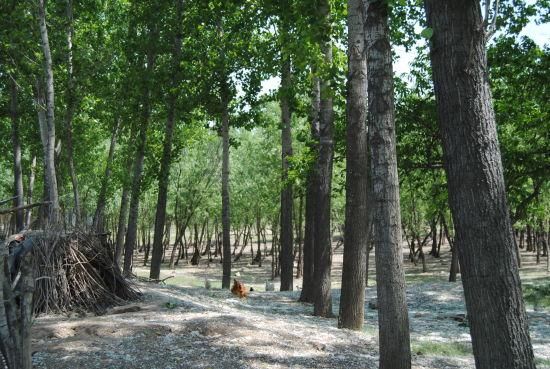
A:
<point x="427" y="33"/>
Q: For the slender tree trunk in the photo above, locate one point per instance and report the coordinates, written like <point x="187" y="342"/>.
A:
<point x="98" y="221"/>
<point x="71" y="106"/>
<point x="17" y="171"/>
<point x="307" y="294"/>
<point x="164" y="173"/>
<point x="352" y="299"/>
<point x="32" y="176"/>
<point x="299" y="234"/>
<point x="287" y="234"/>
<point x="48" y="125"/>
<point x="258" y="257"/>
<point x="226" y="219"/>
<point x="393" y="319"/>
<point x="124" y="205"/>
<point x="477" y="197"/>
<point x="323" y="249"/>
<point x="454" y="257"/>
<point x="131" y="231"/>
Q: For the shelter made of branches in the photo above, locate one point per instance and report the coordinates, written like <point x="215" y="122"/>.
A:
<point x="53" y="272"/>
<point x="77" y="272"/>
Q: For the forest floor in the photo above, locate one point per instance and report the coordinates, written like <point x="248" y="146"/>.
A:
<point x="184" y="325"/>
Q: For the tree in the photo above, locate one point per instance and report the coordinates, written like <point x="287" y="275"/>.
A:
<point x="146" y="107"/>
<point x="287" y="232"/>
<point x="352" y="299"/>
<point x="475" y="181"/>
<point x="46" y="107"/>
<point x="393" y="320"/>
<point x="308" y="283"/>
<point x="98" y="221"/>
<point x="71" y="106"/>
<point x="17" y="170"/>
<point x="322" y="241"/>
<point x="160" y="217"/>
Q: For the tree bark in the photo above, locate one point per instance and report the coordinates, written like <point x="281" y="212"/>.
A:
<point x="323" y="249"/>
<point x="352" y="299"/>
<point x="299" y="235"/>
<point x="28" y="215"/>
<point x="48" y="125"/>
<point x="160" y="216"/>
<point x="287" y="234"/>
<point x="307" y="294"/>
<point x="123" y="215"/>
<point x="71" y="106"/>
<point x="477" y="198"/>
<point x="17" y="171"/>
<point x="393" y="320"/>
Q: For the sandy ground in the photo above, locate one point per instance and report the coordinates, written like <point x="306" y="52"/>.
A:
<point x="184" y="325"/>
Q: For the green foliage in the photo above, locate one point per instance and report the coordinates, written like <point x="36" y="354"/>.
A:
<point x="448" y="349"/>
<point x="427" y="33"/>
<point x="537" y="294"/>
<point x="242" y="44"/>
<point x="519" y="84"/>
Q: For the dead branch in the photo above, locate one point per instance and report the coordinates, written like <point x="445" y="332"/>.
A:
<point x="24" y="207"/>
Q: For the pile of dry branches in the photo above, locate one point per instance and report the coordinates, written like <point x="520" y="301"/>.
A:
<point x="76" y="272"/>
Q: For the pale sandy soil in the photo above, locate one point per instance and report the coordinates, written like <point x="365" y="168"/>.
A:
<point x="184" y="325"/>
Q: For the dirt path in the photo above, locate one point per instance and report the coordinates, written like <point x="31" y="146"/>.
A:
<point x="186" y="327"/>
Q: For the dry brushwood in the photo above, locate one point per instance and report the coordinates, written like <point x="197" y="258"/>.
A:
<point x="51" y="272"/>
<point x="76" y="271"/>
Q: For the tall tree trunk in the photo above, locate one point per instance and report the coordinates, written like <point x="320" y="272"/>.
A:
<point x="17" y="171"/>
<point x="124" y="205"/>
<point x="28" y="215"/>
<point x="287" y="234"/>
<point x="226" y="206"/>
<point x="48" y="125"/>
<point x="131" y="231"/>
<point x="307" y="294"/>
<point x="300" y="236"/>
<point x="323" y="249"/>
<point x="164" y="173"/>
<point x="352" y="299"/>
<point x="98" y="221"/>
<point x="393" y="319"/>
<point x="71" y="106"/>
<point x="477" y="197"/>
<point x="454" y="257"/>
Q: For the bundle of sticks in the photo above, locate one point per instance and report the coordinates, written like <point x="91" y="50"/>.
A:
<point x="76" y="272"/>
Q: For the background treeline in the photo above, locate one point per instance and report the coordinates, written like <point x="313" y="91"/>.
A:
<point x="119" y="78"/>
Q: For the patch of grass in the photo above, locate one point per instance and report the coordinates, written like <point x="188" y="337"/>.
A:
<point x="412" y="278"/>
<point x="537" y="294"/>
<point x="542" y="362"/>
<point x="171" y="305"/>
<point x="449" y="349"/>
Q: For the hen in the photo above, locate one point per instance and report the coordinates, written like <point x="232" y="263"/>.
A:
<point x="239" y="289"/>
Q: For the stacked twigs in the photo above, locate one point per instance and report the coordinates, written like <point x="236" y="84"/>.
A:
<point x="77" y="272"/>
<point x="52" y="272"/>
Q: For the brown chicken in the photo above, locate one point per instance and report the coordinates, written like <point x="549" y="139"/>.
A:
<point x="239" y="289"/>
